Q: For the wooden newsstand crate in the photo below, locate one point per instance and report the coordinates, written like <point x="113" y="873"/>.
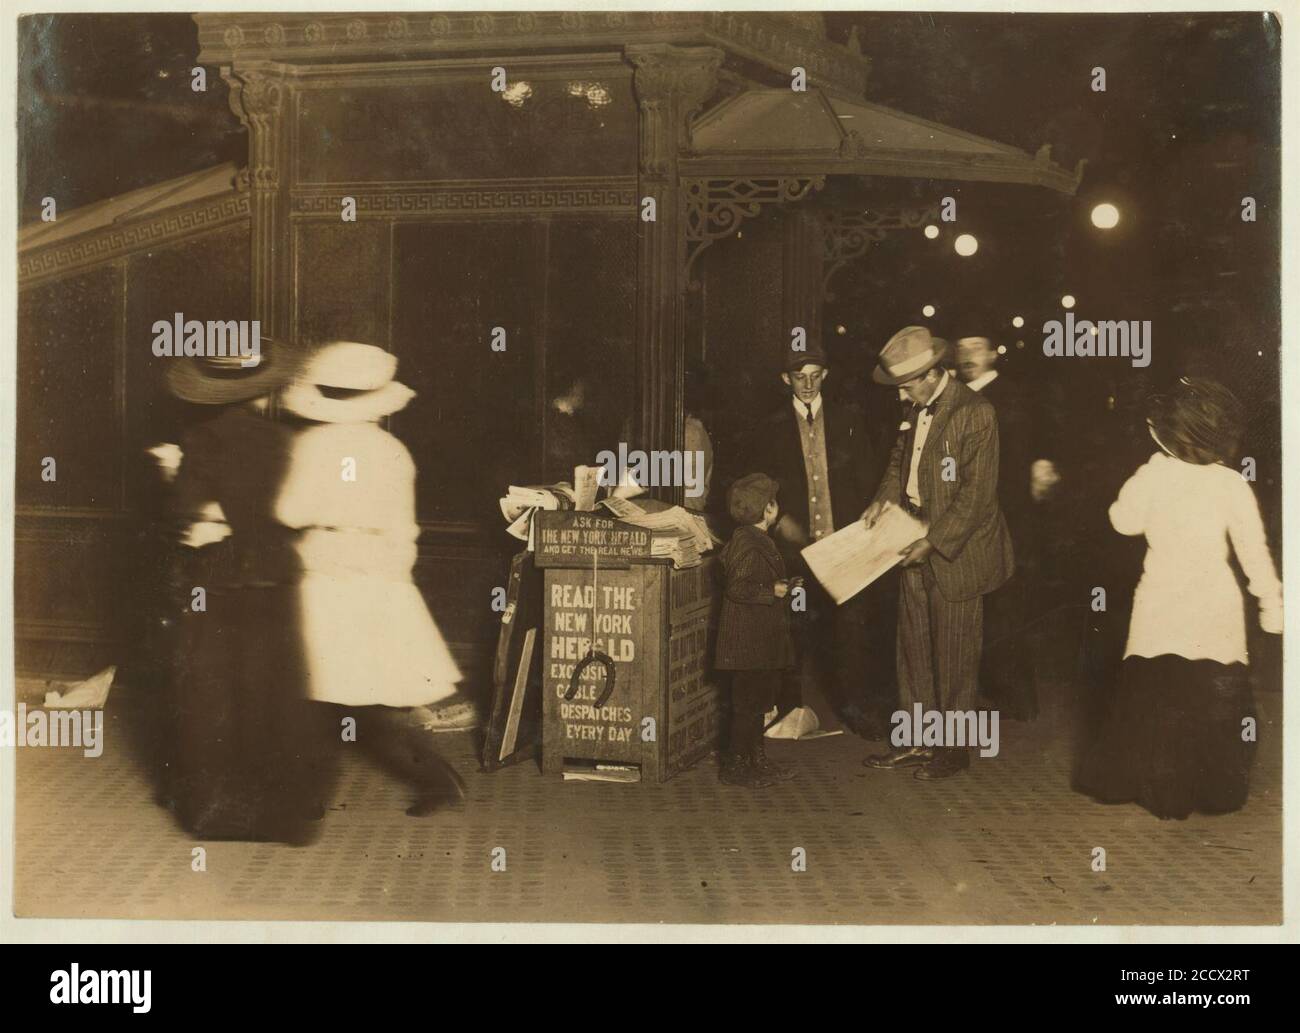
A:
<point x="658" y="624"/>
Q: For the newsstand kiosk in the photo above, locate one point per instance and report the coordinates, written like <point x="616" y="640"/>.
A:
<point x="638" y="634"/>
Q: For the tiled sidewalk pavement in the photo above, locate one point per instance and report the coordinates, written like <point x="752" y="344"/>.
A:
<point x="1008" y="843"/>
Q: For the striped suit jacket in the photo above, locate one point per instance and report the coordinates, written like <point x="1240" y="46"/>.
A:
<point x="972" y="549"/>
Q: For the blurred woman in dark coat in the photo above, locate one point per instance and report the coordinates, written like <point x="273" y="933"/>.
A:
<point x="247" y="748"/>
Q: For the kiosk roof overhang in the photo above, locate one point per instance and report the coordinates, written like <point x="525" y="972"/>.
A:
<point x="784" y="132"/>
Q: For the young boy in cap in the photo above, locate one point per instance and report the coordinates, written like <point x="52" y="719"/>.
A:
<point x="753" y="629"/>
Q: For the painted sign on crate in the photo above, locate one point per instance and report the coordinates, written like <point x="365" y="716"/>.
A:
<point x="581" y="540"/>
<point x="584" y="614"/>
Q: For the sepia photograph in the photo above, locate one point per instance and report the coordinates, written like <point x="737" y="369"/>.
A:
<point x="686" y="466"/>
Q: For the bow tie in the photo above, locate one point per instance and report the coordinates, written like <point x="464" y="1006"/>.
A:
<point x="928" y="409"/>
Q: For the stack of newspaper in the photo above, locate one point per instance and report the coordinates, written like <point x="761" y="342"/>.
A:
<point x="682" y="551"/>
<point x="678" y="533"/>
<point x="520" y="503"/>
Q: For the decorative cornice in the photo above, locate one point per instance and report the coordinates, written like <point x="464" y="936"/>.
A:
<point x="776" y="41"/>
<point x="257" y="98"/>
<point x="671" y="85"/>
<point x="114" y="241"/>
<point x="614" y="194"/>
<point x="715" y="207"/>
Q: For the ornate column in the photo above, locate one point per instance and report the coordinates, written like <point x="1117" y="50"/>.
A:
<point x="803" y="254"/>
<point x="671" y="84"/>
<point x="257" y="97"/>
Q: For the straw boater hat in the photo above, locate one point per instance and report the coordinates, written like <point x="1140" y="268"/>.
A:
<point x="222" y="380"/>
<point x="346" y="382"/>
<point x="907" y="355"/>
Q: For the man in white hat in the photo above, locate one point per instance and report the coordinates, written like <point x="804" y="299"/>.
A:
<point x="944" y="471"/>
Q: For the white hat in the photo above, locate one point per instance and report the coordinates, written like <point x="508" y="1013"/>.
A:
<point x="346" y="382"/>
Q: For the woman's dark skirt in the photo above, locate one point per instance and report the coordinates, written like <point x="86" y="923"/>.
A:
<point x="252" y="758"/>
<point x="1173" y="738"/>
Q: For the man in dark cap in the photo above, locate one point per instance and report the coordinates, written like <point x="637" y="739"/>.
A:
<point x="820" y="451"/>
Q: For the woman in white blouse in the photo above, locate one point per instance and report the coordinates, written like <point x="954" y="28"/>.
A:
<point x="1180" y="737"/>
<point x="367" y="640"/>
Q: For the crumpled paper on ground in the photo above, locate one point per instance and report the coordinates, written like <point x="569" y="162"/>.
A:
<point x="800" y="723"/>
<point x="90" y="694"/>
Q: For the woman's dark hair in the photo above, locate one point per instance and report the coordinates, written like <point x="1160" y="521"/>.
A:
<point x="1200" y="421"/>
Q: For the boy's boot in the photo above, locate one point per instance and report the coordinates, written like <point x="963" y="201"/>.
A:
<point x="738" y="767"/>
<point x="769" y="768"/>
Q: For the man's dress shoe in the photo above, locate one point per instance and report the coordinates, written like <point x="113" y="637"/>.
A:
<point x="946" y="764"/>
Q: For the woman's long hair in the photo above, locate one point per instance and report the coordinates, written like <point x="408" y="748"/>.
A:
<point x="1200" y="421"/>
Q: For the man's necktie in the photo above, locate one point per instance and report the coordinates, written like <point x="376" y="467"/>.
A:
<point x="808" y="413"/>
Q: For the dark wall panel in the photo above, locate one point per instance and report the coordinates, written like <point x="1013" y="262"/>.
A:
<point x="744" y="339"/>
<point x="590" y="322"/>
<point x="203" y="278"/>
<point x="68" y="571"/>
<point x="67" y="404"/>
<point x="343" y="281"/>
<point x="473" y="421"/>
<point x="563" y="290"/>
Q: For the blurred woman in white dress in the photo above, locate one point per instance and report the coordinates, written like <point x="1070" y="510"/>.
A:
<point x="1180" y="737"/>
<point x="368" y="639"/>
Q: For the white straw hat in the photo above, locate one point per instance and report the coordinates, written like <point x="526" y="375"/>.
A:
<point x="346" y="382"/>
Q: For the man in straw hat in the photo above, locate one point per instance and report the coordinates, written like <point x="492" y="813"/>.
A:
<point x="944" y="471"/>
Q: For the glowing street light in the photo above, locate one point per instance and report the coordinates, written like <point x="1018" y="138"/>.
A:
<point x="931" y="231"/>
<point x="928" y="311"/>
<point x="966" y="245"/>
<point x="1018" y="322"/>
<point x="1002" y="349"/>
<point x="1105" y="216"/>
<point x="1067" y="301"/>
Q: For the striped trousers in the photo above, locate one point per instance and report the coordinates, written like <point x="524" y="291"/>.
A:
<point x="939" y="644"/>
